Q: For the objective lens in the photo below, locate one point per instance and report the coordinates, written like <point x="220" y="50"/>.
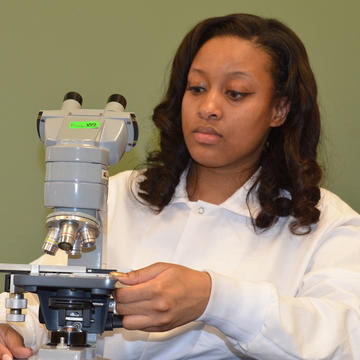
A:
<point x="88" y="237"/>
<point x="50" y="245"/>
<point x="76" y="250"/>
<point x="67" y="234"/>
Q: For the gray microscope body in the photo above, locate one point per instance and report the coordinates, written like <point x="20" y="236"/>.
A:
<point x="76" y="300"/>
<point x="80" y="145"/>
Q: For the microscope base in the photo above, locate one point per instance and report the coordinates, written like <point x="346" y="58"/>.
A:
<point x="75" y="353"/>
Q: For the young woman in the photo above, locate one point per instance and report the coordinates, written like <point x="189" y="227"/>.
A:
<point x="237" y="251"/>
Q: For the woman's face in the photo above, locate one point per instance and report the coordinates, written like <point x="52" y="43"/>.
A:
<point x="228" y="107"/>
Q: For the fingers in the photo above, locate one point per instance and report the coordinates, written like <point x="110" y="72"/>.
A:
<point x="150" y="307"/>
<point x="137" y="315"/>
<point x="142" y="275"/>
<point x="4" y="351"/>
<point x="15" y="344"/>
<point x="162" y="296"/>
<point x="136" y="322"/>
<point x="12" y="344"/>
<point x="147" y="323"/>
<point x="129" y="294"/>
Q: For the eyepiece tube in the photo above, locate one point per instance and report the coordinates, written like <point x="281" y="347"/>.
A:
<point x="72" y="101"/>
<point x="74" y="96"/>
<point x="116" y="102"/>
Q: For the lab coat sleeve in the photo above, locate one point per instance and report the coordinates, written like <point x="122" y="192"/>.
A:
<point x="321" y="321"/>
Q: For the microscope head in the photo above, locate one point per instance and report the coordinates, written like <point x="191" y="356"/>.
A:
<point x="80" y="145"/>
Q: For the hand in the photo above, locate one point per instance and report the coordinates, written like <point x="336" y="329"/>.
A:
<point x="161" y="296"/>
<point x="12" y="344"/>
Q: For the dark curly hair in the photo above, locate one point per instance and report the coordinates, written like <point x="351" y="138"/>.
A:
<point x="288" y="161"/>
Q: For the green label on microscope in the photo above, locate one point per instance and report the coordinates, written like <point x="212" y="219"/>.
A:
<point x="84" y="124"/>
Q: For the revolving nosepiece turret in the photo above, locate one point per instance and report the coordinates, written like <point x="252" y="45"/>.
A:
<point x="72" y="232"/>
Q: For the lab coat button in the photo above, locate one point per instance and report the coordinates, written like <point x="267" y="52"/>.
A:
<point x="201" y="210"/>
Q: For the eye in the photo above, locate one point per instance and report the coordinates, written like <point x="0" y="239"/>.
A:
<point x="236" y="95"/>
<point x="195" y="89"/>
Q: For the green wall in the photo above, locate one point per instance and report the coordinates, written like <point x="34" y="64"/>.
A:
<point x="101" y="47"/>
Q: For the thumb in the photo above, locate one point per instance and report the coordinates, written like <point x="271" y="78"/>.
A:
<point x="141" y="275"/>
<point x="14" y="343"/>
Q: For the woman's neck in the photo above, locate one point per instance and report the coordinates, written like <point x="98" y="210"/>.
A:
<point x="215" y="185"/>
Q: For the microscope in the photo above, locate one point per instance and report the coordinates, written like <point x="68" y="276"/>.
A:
<point x="76" y="301"/>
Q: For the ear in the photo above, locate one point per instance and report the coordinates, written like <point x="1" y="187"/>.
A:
<point x="280" y="112"/>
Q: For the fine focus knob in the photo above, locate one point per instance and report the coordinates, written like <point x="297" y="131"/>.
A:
<point x="11" y="317"/>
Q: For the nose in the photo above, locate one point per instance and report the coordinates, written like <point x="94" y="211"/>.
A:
<point x="210" y="106"/>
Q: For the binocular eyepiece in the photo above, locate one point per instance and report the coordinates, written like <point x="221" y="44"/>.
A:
<point x="72" y="100"/>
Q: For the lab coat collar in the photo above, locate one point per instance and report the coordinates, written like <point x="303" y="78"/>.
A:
<point x="236" y="203"/>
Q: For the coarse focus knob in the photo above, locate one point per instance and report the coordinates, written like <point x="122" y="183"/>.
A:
<point x="15" y="303"/>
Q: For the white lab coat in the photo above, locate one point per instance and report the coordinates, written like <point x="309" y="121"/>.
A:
<point x="274" y="295"/>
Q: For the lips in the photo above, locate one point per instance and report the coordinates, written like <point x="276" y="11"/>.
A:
<point x="207" y="130"/>
<point x="207" y="135"/>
